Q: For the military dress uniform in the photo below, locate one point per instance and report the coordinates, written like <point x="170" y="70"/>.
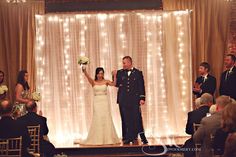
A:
<point x="130" y="91"/>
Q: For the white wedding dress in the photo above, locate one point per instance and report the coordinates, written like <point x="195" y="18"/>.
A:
<point x="102" y="130"/>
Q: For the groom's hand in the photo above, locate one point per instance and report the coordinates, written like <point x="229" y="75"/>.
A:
<point x="141" y="102"/>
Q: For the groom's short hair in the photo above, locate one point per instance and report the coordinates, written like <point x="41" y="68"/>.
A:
<point x="128" y="57"/>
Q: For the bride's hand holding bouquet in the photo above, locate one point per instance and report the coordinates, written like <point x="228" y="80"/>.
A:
<point x="83" y="61"/>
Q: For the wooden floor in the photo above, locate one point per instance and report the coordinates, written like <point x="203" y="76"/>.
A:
<point x="155" y="146"/>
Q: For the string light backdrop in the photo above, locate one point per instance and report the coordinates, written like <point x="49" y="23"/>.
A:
<point x="158" y="42"/>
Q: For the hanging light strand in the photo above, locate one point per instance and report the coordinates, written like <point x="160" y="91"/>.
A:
<point x="16" y="1"/>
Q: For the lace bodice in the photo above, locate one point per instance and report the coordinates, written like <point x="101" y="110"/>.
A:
<point x="100" y="90"/>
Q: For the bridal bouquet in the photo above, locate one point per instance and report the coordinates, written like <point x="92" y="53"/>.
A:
<point x="3" y="89"/>
<point x="83" y="60"/>
<point x="36" y="96"/>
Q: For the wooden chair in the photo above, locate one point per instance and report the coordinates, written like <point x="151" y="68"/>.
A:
<point x="197" y="145"/>
<point x="34" y="132"/>
<point x="11" y="147"/>
<point x="3" y="147"/>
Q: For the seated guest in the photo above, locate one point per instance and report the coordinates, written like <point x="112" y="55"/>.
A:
<point x="209" y="125"/>
<point x="229" y="125"/>
<point x="195" y="116"/>
<point x="32" y="118"/>
<point x="10" y="128"/>
<point x="205" y="83"/>
<point x="221" y="134"/>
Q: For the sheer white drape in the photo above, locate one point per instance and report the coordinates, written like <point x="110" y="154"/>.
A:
<point x="158" y="42"/>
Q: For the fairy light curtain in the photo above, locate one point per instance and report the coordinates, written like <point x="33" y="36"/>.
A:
<point x="158" y="42"/>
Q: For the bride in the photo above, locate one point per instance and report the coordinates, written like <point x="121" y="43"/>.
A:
<point x="102" y="130"/>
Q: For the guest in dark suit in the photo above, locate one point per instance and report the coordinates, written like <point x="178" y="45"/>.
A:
<point x="229" y="125"/>
<point x="209" y="125"/>
<point x="10" y="128"/>
<point x="131" y="94"/>
<point x="205" y="83"/>
<point x="196" y="116"/>
<point x="228" y="77"/>
<point x="31" y="119"/>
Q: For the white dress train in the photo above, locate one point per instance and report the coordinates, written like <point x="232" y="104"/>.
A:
<point x="102" y="130"/>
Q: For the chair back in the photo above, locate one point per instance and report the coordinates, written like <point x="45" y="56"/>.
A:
<point x="11" y="147"/>
<point x="34" y="132"/>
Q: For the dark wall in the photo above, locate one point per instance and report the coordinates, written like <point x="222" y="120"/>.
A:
<point x="100" y="5"/>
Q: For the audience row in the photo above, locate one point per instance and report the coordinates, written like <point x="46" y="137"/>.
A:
<point x="11" y="128"/>
<point x="217" y="130"/>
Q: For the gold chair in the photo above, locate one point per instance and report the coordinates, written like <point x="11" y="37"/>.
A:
<point x="3" y="147"/>
<point x="34" y="132"/>
<point x="197" y="145"/>
<point x="11" y="147"/>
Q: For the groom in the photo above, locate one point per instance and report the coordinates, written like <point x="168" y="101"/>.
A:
<point x="131" y="94"/>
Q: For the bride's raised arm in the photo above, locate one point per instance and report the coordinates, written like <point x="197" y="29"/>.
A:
<point x="91" y="81"/>
<point x="113" y="82"/>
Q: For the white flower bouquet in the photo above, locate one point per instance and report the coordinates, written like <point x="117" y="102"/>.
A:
<point x="83" y="60"/>
<point x="36" y="96"/>
<point x="3" y="89"/>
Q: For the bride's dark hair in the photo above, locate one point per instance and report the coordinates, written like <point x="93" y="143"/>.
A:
<point x="98" y="69"/>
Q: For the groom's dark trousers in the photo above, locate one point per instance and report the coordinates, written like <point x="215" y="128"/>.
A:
<point x="130" y="91"/>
